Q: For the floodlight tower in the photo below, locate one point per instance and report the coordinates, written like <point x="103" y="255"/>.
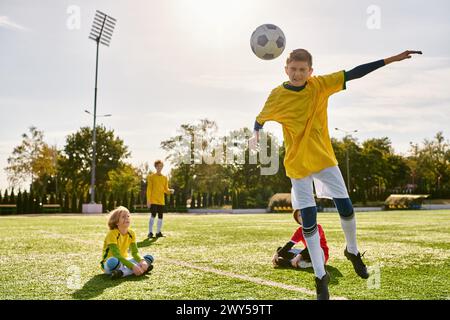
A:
<point x="101" y="32"/>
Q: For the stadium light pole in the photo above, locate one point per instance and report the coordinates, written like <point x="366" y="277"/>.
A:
<point x="101" y="32"/>
<point x="99" y="116"/>
<point x="347" y="159"/>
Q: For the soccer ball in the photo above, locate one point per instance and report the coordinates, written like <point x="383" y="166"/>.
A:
<point x="268" y="41"/>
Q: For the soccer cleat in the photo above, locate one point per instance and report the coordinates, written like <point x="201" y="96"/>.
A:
<point x="150" y="235"/>
<point x="358" y="264"/>
<point x="159" y="234"/>
<point x="150" y="268"/>
<point x="322" y="287"/>
<point x="116" y="274"/>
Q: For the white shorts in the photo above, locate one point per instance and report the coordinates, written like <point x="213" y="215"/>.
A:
<point x="328" y="184"/>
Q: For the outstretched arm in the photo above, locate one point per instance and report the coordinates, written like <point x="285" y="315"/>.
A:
<point x="402" y="56"/>
<point x="362" y="70"/>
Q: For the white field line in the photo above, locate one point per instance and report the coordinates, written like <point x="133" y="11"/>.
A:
<point x="248" y="278"/>
<point x="228" y="274"/>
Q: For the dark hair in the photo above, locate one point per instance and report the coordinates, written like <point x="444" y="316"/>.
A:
<point x="158" y="162"/>
<point x="300" y="55"/>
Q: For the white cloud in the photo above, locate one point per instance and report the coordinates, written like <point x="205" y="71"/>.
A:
<point x="6" y="22"/>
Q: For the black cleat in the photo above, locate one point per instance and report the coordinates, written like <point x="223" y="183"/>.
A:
<point x="116" y="274"/>
<point x="150" y="235"/>
<point x="322" y="287"/>
<point x="150" y="268"/>
<point x="159" y="235"/>
<point x="358" y="264"/>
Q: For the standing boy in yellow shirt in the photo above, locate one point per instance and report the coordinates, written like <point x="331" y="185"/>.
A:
<point x="157" y="186"/>
<point x="300" y="106"/>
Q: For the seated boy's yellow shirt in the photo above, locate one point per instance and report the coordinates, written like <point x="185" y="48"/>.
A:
<point x="157" y="186"/>
<point x="123" y="242"/>
<point x="303" y="116"/>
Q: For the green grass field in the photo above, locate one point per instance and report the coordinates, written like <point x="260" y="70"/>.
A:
<point x="224" y="257"/>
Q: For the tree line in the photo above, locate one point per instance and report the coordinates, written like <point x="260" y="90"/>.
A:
<point x="57" y="175"/>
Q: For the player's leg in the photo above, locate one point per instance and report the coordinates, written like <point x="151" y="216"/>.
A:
<point x="348" y="222"/>
<point x="160" y="221"/>
<point x="110" y="265"/>
<point x="304" y="201"/>
<point x="116" y="269"/>
<point x="152" y="220"/>
<point x="330" y="184"/>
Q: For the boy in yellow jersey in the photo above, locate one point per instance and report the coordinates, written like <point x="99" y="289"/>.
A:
<point x="157" y="186"/>
<point x="300" y="106"/>
<point x="119" y="240"/>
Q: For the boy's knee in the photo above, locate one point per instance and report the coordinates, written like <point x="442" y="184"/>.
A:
<point x="160" y="215"/>
<point x="153" y="214"/>
<point x="309" y="220"/>
<point x="112" y="263"/>
<point x="149" y="258"/>
<point x="344" y="207"/>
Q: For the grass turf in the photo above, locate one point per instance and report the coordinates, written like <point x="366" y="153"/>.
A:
<point x="224" y="257"/>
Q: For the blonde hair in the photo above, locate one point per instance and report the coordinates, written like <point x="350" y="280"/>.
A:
<point x="300" y="55"/>
<point x="114" y="217"/>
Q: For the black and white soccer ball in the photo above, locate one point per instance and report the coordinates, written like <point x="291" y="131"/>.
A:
<point x="268" y="41"/>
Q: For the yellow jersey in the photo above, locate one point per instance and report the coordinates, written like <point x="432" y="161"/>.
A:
<point x="157" y="186"/>
<point x="123" y="242"/>
<point x="303" y="116"/>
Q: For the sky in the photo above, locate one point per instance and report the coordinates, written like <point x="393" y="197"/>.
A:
<point x="173" y="62"/>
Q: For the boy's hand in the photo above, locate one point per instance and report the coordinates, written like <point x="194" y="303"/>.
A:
<point x="149" y="205"/>
<point x="275" y="259"/>
<point x="296" y="260"/>
<point x="137" y="270"/>
<point x="172" y="191"/>
<point x="402" y="56"/>
<point x="143" y="264"/>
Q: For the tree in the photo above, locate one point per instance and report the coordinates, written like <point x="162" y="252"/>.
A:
<point x="430" y="166"/>
<point x="45" y="169"/>
<point x="75" y="162"/>
<point x="123" y="180"/>
<point x="111" y="203"/>
<point x="73" y="204"/>
<point x="144" y="170"/>
<point x="132" y="203"/>
<point x="19" y="203"/>
<point x="193" y="202"/>
<point x="188" y="175"/>
<point x="104" y="202"/>
<point x="182" y="152"/>
<point x="33" y="159"/>
<point x="6" y="197"/>
<point x="25" y="203"/>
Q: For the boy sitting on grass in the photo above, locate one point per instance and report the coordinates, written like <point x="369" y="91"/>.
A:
<point x="119" y="240"/>
<point x="286" y="256"/>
